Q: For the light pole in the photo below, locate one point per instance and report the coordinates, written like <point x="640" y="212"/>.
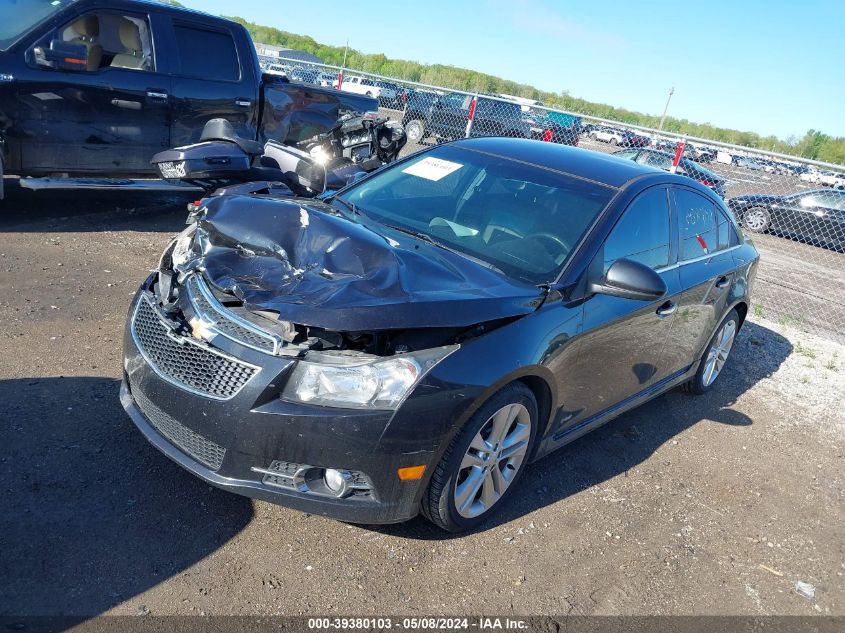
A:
<point x="666" y="109"/>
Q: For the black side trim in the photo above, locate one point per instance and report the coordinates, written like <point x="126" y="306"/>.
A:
<point x="609" y="413"/>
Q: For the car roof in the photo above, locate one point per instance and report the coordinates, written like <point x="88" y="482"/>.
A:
<point x="604" y="168"/>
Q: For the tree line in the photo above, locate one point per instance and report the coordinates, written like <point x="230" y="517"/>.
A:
<point x="814" y="144"/>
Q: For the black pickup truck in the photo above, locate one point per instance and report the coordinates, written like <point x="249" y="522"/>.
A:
<point x="445" y="117"/>
<point x="96" y="87"/>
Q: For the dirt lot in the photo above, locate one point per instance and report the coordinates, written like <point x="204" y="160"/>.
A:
<point x="716" y="505"/>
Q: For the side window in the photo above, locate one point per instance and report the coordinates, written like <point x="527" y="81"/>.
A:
<point x="206" y="53"/>
<point x="642" y="233"/>
<point x="699" y="225"/>
<point x="111" y="40"/>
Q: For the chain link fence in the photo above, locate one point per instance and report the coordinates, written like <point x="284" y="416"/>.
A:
<point x="793" y="209"/>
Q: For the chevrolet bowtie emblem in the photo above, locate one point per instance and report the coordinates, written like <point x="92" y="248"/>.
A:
<point x="201" y="330"/>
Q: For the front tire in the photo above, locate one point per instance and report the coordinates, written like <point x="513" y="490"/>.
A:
<point x="415" y="130"/>
<point x="715" y="355"/>
<point x="757" y="219"/>
<point x="484" y="461"/>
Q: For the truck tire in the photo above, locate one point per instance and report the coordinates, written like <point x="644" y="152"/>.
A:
<point x="415" y="130"/>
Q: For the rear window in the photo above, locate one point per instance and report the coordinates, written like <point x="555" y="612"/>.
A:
<point x="205" y="53"/>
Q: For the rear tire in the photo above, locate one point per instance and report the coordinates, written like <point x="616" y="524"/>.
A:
<point x="484" y="462"/>
<point x="613" y="142"/>
<point x="715" y="356"/>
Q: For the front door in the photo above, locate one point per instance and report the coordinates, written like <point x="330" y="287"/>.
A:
<point x="621" y="351"/>
<point x="108" y="117"/>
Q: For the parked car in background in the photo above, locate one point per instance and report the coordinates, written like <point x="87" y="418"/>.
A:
<point x="816" y="216"/>
<point x="369" y="87"/>
<point x="303" y="75"/>
<point x="810" y="174"/>
<point x="632" y="139"/>
<point x="555" y="127"/>
<point x="832" y="179"/>
<point x="397" y="101"/>
<point x="686" y="167"/>
<point x="700" y="153"/>
<point x="754" y="164"/>
<point x="606" y="134"/>
<point x="445" y="117"/>
<point x="327" y="80"/>
<point x="488" y="302"/>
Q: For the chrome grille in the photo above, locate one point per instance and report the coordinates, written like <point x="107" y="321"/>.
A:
<point x="185" y="363"/>
<point x="201" y="449"/>
<point x="226" y="323"/>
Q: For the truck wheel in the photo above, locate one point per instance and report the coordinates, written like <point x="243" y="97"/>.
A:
<point x="613" y="141"/>
<point x="369" y="93"/>
<point x="415" y="130"/>
<point x="484" y="462"/>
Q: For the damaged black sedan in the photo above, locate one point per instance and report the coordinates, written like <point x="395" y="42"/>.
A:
<point x="411" y="343"/>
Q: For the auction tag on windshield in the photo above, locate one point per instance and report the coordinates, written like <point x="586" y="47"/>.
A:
<point x="432" y="168"/>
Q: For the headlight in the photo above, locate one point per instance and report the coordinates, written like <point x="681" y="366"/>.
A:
<point x="374" y="384"/>
<point x="182" y="249"/>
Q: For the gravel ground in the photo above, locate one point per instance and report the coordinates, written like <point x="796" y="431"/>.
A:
<point x="717" y="504"/>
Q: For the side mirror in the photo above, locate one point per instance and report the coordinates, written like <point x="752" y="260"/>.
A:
<point x="630" y="280"/>
<point x="62" y="56"/>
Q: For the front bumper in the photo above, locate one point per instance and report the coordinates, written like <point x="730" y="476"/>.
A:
<point x="223" y="440"/>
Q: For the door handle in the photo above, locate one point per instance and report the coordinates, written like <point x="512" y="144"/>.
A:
<point x="156" y="95"/>
<point x="243" y="103"/>
<point x="667" y="308"/>
<point x="723" y="282"/>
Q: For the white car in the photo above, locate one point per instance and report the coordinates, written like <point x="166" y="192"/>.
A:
<point x="607" y="134"/>
<point x="327" y="80"/>
<point x="811" y="175"/>
<point x="832" y="179"/>
<point x="365" y="86"/>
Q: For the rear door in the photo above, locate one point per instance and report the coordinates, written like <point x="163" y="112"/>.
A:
<point x="706" y="239"/>
<point x="212" y="78"/>
<point x="110" y="116"/>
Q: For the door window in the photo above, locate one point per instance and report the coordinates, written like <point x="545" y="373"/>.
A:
<point x="642" y="234"/>
<point x="704" y="228"/>
<point x="204" y="53"/>
<point x="111" y="40"/>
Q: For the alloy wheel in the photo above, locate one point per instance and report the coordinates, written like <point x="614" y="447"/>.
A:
<point x="755" y="219"/>
<point x="718" y="353"/>
<point x="492" y="461"/>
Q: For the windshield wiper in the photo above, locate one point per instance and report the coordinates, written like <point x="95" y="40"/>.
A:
<point x="425" y="237"/>
<point x="349" y="205"/>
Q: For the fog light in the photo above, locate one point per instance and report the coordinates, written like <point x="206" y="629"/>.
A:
<point x="337" y="481"/>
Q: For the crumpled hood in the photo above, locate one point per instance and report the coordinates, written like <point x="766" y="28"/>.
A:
<point x="315" y="267"/>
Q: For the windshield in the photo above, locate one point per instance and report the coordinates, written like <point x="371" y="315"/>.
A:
<point x="521" y="219"/>
<point x="18" y="16"/>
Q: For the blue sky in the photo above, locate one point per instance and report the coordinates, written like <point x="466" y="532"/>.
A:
<point x="771" y="67"/>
